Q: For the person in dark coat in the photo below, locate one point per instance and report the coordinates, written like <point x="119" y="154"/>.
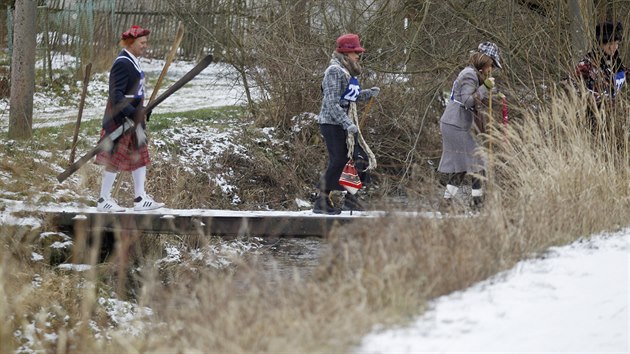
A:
<point x="601" y="71"/>
<point x="460" y="153"/>
<point x="338" y="118"/>
<point x="129" y="152"/>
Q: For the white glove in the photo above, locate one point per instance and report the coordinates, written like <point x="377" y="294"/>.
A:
<point x="141" y="135"/>
<point x="353" y="129"/>
<point x="375" y="91"/>
<point x="127" y="124"/>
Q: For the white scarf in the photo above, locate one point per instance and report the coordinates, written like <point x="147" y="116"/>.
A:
<point x="354" y="117"/>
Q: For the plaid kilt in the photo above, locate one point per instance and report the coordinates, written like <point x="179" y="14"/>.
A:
<point x="125" y="155"/>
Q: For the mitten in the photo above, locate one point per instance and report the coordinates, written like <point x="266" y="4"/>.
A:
<point x="141" y="135"/>
<point x="375" y="91"/>
<point x="353" y="129"/>
<point x="489" y="83"/>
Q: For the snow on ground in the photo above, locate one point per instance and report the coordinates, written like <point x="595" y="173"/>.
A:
<point x="574" y="299"/>
<point x="218" y="85"/>
<point x="12" y="207"/>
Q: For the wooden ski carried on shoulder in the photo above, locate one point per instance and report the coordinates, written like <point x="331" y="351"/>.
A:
<point x="109" y="139"/>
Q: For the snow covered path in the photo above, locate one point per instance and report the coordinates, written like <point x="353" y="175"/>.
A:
<point x="573" y="300"/>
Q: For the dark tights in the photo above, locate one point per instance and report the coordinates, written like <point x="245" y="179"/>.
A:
<point x="335" y="138"/>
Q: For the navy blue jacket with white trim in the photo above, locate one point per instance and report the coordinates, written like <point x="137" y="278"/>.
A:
<point x="124" y="81"/>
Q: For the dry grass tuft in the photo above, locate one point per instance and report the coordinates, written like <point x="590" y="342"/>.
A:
<point x="551" y="186"/>
<point x="550" y="182"/>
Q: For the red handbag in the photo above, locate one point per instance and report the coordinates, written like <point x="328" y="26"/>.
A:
<point x="349" y="178"/>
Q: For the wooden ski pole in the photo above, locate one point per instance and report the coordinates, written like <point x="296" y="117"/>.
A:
<point x="179" y="35"/>
<point x="365" y="113"/>
<point x="108" y="139"/>
<point x="169" y="59"/>
<point x="75" y="137"/>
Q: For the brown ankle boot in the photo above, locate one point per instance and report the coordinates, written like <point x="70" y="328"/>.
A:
<point x="323" y="205"/>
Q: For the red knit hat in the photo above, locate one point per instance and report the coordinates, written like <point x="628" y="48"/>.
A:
<point x="349" y="43"/>
<point x="135" y="32"/>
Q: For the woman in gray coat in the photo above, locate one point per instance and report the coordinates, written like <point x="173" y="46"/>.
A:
<point x="460" y="153"/>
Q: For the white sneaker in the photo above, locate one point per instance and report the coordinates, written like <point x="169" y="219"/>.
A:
<point x="108" y="205"/>
<point x="146" y="202"/>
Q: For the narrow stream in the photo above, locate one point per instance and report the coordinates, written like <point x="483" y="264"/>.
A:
<point x="289" y="257"/>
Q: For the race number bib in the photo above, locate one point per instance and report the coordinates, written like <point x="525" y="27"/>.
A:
<point x="620" y="79"/>
<point x="140" y="93"/>
<point x="352" y="91"/>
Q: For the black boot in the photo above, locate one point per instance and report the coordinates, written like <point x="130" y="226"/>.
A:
<point x="323" y="205"/>
<point x="351" y="202"/>
<point x="477" y="203"/>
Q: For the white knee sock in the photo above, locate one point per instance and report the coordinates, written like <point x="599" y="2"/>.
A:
<point x="139" y="176"/>
<point x="107" y="184"/>
<point x="450" y="191"/>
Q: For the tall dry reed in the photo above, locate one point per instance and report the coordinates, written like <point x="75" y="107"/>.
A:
<point x="551" y="180"/>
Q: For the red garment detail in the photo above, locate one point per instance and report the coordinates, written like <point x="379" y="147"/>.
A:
<point x="349" y="178"/>
<point x="126" y="155"/>
<point x="135" y="32"/>
<point x="349" y="43"/>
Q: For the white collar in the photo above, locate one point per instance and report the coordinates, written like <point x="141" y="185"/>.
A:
<point x="133" y="57"/>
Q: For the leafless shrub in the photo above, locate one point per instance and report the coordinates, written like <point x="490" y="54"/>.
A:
<point x="551" y="181"/>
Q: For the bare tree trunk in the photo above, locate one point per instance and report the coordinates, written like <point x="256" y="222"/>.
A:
<point x="605" y="11"/>
<point x="581" y="12"/>
<point x="23" y="70"/>
<point x="299" y="26"/>
<point x="4" y="4"/>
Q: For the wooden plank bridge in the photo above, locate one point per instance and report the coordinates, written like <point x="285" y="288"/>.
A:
<point x="213" y="222"/>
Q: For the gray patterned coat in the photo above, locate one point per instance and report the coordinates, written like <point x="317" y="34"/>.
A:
<point x="334" y="109"/>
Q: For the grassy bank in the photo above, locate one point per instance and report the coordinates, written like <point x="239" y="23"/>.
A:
<point x="551" y="181"/>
